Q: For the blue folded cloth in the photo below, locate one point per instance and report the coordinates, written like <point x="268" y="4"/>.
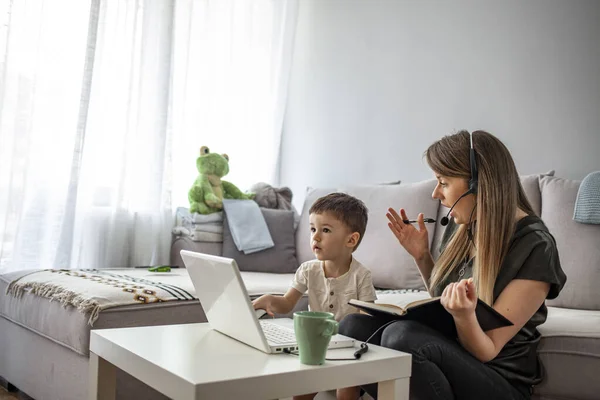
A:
<point x="587" y="205"/>
<point x="247" y="224"/>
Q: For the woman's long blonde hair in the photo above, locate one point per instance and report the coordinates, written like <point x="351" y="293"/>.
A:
<point x="499" y="195"/>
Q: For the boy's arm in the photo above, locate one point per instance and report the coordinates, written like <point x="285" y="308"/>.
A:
<point x="366" y="289"/>
<point x="291" y="298"/>
<point x="278" y="304"/>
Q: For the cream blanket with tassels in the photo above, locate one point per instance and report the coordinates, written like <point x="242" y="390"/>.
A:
<point x="91" y="291"/>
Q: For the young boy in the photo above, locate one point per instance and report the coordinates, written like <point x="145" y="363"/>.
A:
<point x="337" y="224"/>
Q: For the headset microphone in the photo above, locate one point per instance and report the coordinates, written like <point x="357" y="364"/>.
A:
<point x="444" y="221"/>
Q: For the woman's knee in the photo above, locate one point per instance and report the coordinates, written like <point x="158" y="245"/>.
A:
<point x="358" y="326"/>
<point x="404" y="335"/>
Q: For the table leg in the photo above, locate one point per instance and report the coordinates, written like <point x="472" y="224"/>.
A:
<point x="393" y="390"/>
<point x="103" y="379"/>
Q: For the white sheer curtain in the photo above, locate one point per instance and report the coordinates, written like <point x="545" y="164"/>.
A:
<point x="231" y="62"/>
<point x="103" y="108"/>
<point x="123" y="203"/>
<point x="42" y="58"/>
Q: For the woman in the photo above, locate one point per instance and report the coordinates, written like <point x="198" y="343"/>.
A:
<point x="496" y="249"/>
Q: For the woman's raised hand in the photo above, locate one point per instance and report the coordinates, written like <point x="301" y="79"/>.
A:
<point x="415" y="241"/>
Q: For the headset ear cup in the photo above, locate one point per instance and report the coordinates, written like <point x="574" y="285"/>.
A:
<point x="473" y="186"/>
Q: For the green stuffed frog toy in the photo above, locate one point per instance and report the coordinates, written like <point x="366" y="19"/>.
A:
<point x="207" y="194"/>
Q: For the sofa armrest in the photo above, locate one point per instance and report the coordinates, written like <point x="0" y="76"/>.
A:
<point x="186" y="243"/>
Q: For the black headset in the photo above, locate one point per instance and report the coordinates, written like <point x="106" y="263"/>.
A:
<point x="473" y="183"/>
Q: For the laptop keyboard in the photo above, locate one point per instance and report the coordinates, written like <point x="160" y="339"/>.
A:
<point x="277" y="334"/>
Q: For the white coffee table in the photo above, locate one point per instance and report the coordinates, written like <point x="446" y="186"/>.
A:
<point x="192" y="361"/>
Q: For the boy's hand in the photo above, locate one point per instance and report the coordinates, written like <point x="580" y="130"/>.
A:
<point x="264" y="303"/>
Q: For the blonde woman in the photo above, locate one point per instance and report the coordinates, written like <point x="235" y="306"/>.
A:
<point x="494" y="248"/>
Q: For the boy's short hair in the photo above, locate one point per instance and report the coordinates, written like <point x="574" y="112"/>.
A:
<point x="348" y="209"/>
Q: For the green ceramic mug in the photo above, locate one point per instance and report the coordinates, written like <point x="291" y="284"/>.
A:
<point x="313" y="332"/>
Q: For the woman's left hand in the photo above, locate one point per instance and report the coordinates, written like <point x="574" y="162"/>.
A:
<point x="460" y="298"/>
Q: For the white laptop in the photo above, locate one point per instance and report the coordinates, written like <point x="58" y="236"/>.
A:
<point x="225" y="301"/>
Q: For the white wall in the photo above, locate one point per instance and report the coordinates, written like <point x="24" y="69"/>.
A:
<point x="374" y="82"/>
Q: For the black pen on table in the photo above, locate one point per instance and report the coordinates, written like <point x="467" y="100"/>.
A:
<point x="414" y="221"/>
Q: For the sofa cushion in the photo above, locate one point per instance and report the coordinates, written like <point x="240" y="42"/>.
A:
<point x="303" y="248"/>
<point x="259" y="283"/>
<point x="578" y="245"/>
<point x="279" y="259"/>
<point x="69" y="327"/>
<point x="392" y="267"/>
<point x="570" y="354"/>
<point x="531" y="186"/>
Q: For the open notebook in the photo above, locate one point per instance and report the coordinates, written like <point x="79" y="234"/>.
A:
<point x="432" y="313"/>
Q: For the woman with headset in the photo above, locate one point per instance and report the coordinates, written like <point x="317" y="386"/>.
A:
<point x="495" y="249"/>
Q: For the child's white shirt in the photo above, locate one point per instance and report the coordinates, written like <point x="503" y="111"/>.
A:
<point x="332" y="294"/>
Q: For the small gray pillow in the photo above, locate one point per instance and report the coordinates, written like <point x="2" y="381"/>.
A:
<point x="531" y="186"/>
<point x="280" y="259"/>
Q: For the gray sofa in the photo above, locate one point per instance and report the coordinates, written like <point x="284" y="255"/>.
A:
<point x="570" y="344"/>
<point x="45" y="353"/>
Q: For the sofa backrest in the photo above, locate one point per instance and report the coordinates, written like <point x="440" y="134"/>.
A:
<point x="578" y="245"/>
<point x="390" y="264"/>
<point x="552" y="198"/>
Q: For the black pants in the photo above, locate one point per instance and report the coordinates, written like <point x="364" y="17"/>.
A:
<point x="441" y="367"/>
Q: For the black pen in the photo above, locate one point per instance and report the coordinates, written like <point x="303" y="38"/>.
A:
<point x="426" y="220"/>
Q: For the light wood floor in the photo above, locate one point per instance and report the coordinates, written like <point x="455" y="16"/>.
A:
<point x="4" y="395"/>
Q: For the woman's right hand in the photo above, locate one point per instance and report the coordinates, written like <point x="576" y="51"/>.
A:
<point x="415" y="241"/>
